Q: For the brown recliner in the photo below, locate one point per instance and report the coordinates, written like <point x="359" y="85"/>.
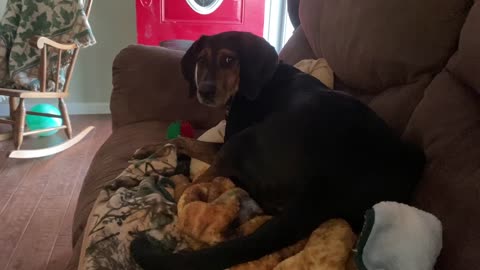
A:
<point x="417" y="63"/>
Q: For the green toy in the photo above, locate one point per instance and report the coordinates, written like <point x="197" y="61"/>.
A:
<point x="36" y="122"/>
<point x="180" y="128"/>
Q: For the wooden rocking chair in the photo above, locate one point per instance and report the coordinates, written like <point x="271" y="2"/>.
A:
<point x="17" y="104"/>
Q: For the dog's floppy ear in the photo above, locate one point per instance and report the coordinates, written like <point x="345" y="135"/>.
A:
<point x="188" y="62"/>
<point x="258" y="62"/>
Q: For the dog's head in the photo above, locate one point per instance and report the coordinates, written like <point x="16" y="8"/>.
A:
<point x="220" y="66"/>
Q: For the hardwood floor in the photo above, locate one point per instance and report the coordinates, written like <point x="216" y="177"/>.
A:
<point x="38" y="198"/>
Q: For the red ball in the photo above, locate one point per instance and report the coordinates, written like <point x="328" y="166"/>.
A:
<point x="186" y="130"/>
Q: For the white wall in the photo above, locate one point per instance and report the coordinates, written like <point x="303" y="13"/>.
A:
<point x="113" y="23"/>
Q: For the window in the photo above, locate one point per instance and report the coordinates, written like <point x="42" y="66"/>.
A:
<point x="278" y="28"/>
<point x="204" y="6"/>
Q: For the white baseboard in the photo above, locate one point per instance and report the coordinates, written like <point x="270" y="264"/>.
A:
<point x="73" y="108"/>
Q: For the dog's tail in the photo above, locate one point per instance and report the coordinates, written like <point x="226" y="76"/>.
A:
<point x="413" y="162"/>
<point x="283" y="230"/>
<point x="417" y="158"/>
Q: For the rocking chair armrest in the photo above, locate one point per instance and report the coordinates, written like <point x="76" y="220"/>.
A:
<point x="40" y="41"/>
<point x="148" y="86"/>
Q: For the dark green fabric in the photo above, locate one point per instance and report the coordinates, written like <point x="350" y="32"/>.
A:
<point x="363" y="238"/>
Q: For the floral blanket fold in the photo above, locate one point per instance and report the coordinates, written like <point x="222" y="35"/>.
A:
<point x="64" y="21"/>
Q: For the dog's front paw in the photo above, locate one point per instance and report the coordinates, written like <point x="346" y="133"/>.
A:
<point x="146" y="151"/>
<point x="159" y="149"/>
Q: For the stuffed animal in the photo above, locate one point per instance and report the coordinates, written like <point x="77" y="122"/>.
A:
<point x="213" y="212"/>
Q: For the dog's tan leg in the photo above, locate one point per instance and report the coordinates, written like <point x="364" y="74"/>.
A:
<point x="221" y="166"/>
<point x="204" y="151"/>
<point x="208" y="175"/>
<point x="147" y="150"/>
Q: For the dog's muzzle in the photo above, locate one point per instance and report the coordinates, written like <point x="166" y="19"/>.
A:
<point x="206" y="92"/>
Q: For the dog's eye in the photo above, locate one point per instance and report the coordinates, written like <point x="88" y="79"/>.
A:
<point x="228" y="60"/>
<point x="201" y="60"/>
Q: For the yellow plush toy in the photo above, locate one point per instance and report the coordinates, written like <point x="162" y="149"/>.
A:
<point x="217" y="211"/>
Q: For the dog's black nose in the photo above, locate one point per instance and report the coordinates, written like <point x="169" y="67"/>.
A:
<point x="207" y="91"/>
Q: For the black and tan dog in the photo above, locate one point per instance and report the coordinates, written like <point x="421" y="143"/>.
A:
<point x="304" y="153"/>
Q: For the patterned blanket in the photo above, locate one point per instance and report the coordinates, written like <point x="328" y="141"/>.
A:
<point x="64" y="21"/>
<point x="156" y="196"/>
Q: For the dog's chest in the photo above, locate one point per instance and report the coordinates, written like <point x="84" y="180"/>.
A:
<point x="241" y="116"/>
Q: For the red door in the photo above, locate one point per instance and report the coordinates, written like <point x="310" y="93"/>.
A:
<point x="160" y="20"/>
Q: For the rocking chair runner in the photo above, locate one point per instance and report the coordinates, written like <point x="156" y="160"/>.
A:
<point x="17" y="104"/>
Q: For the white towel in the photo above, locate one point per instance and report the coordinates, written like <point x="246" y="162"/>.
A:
<point x="399" y="237"/>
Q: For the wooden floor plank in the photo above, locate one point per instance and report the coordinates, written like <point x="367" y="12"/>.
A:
<point x="61" y="253"/>
<point x="59" y="171"/>
<point x="59" y="257"/>
<point x="19" y="210"/>
<point x="12" y="173"/>
<point x="38" y="239"/>
<point x="99" y="136"/>
<point x="34" y="227"/>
